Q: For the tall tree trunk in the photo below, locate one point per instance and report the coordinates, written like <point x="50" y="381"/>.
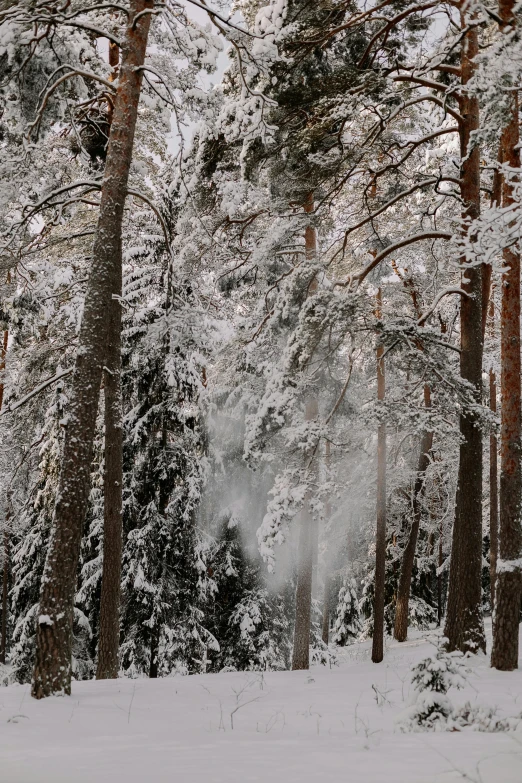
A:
<point x="493" y="489"/>
<point x="327" y="586"/>
<point x="307" y="532"/>
<point x="380" y="534"/>
<point x="109" y="628"/>
<point x="5" y="592"/>
<point x="3" y="352"/>
<point x="504" y="654"/>
<point x="464" y="626"/>
<point x="325" y="630"/>
<point x="109" y="632"/>
<point x="488" y="306"/>
<point x="439" y="579"/>
<point x="52" y="673"/>
<point x="5" y="574"/>
<point x="408" y="559"/>
<point x="153" y="667"/>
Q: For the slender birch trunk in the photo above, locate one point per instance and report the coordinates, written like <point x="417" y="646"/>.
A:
<point x="504" y="655"/>
<point x="380" y="535"/>
<point x="307" y="532"/>
<point x="464" y="625"/>
<point x="52" y="673"/>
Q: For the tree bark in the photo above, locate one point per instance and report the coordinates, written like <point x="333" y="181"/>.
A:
<point x="109" y="627"/>
<point x="493" y="492"/>
<point x="153" y="667"/>
<point x="380" y="535"/>
<point x="327" y="587"/>
<point x="5" y="574"/>
<point x="3" y="351"/>
<point x="325" y="631"/>
<point x="504" y="655"/>
<point x="408" y="558"/>
<point x="52" y="673"/>
<point x="439" y="580"/>
<point x="5" y="593"/>
<point x="464" y="626"/>
<point x="307" y="532"/>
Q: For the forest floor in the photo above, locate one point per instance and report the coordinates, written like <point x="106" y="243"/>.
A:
<point x="336" y="725"/>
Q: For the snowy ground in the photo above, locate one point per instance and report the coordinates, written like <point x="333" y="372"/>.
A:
<point x="336" y="725"/>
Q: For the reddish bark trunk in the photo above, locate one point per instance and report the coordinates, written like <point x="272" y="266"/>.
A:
<point x="52" y="673"/>
<point x="504" y="654"/>
<point x="464" y="626"/>
<point x="380" y="533"/>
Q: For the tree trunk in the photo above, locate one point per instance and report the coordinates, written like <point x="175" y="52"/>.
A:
<point x="303" y="593"/>
<point x="3" y="351"/>
<point x="109" y="632"/>
<point x="109" y="627"/>
<point x="504" y="655"/>
<point x="439" y="580"/>
<point x="380" y="535"/>
<point x="464" y="625"/>
<point x="325" y="631"/>
<point x="52" y="673"/>
<point x="408" y="558"/>
<point x="488" y="305"/>
<point x="493" y="493"/>
<point x="5" y="575"/>
<point x="5" y="592"/>
<point x="153" y="667"/>
<point x="307" y="533"/>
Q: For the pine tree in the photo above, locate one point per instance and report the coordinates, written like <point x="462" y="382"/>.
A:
<point x="164" y="573"/>
<point x="54" y="635"/>
<point x="250" y="622"/>
<point x="347" y="622"/>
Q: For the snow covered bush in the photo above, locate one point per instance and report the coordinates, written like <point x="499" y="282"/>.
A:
<point x="432" y="710"/>
<point x="347" y="622"/>
<point x="480" y="717"/>
<point x="432" y="678"/>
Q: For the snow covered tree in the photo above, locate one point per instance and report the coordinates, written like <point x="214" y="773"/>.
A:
<point x="347" y="622"/>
